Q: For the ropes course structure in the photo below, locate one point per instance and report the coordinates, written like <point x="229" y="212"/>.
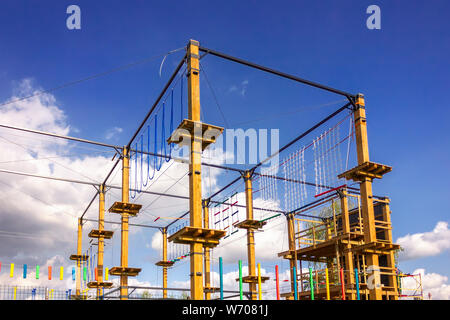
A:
<point x="334" y="223"/>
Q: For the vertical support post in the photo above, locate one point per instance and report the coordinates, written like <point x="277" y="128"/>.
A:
<point x="250" y="232"/>
<point x="362" y="148"/>
<point x="390" y="255"/>
<point x="206" y="250"/>
<point x="277" y="280"/>
<point x="295" y="284"/>
<point x="221" y="277"/>
<point x="292" y="249"/>
<point x="240" y="280"/>
<point x="327" y="284"/>
<point x="348" y="255"/>
<point x="358" y="297"/>
<point x="124" y="223"/>
<point x="195" y="177"/>
<point x="79" y="248"/>
<point x="101" y="240"/>
<point x="259" y="283"/>
<point x="342" y="283"/>
<point x="164" y="258"/>
<point x="311" y="283"/>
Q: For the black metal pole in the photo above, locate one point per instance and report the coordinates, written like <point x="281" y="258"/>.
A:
<point x="275" y="72"/>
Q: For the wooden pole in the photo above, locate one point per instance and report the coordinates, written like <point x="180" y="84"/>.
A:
<point x="348" y="255"/>
<point x="79" y="248"/>
<point x="390" y="255"/>
<point x="124" y="223"/>
<point x="277" y="280"/>
<point x="342" y="283"/>
<point x="362" y="148"/>
<point x="207" y="257"/>
<point x="221" y="277"/>
<point x="250" y="233"/>
<point x="240" y="281"/>
<point x="327" y="283"/>
<point x="259" y="283"/>
<point x="292" y="248"/>
<point x="358" y="297"/>
<point x="101" y="240"/>
<point x="164" y="258"/>
<point x="195" y="168"/>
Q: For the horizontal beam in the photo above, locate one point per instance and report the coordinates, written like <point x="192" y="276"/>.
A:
<point x="131" y="224"/>
<point x="275" y="72"/>
<point x="60" y="136"/>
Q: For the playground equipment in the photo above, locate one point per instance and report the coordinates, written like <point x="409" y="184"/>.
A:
<point x="351" y="245"/>
<point x="409" y="286"/>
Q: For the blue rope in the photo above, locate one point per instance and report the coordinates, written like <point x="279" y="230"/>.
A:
<point x="142" y="148"/>
<point x="148" y="158"/>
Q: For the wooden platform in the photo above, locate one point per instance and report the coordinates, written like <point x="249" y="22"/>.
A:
<point x="78" y="297"/>
<point x="211" y="289"/>
<point x="118" y="271"/>
<point x="77" y="257"/>
<point x="208" y="237"/>
<point x="131" y="209"/>
<point x="253" y="279"/>
<point x="376" y="247"/>
<point x="185" y="131"/>
<point x="250" y="224"/>
<point x="164" y="263"/>
<point x="101" y="234"/>
<point x="366" y="170"/>
<point x="96" y="284"/>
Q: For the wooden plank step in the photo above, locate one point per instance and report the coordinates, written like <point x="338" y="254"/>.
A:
<point x="253" y="279"/>
<point x="250" y="224"/>
<point x="185" y="132"/>
<point x="81" y="257"/>
<point x="163" y="263"/>
<point x="208" y="237"/>
<point x="96" y="284"/>
<point x="368" y="169"/>
<point x="101" y="234"/>
<point x="131" y="209"/>
<point x="118" y="271"/>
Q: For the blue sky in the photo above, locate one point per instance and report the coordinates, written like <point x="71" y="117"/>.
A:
<point x="402" y="70"/>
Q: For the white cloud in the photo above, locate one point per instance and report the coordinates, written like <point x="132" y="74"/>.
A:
<point x="420" y="245"/>
<point x="241" y="88"/>
<point x="113" y="132"/>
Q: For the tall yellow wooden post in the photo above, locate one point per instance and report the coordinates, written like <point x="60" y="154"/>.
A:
<point x="195" y="177"/>
<point x="348" y="255"/>
<point x="164" y="234"/>
<point x="207" y="250"/>
<point x="368" y="215"/>
<point x="124" y="223"/>
<point x="292" y="260"/>
<point x="250" y="233"/>
<point x="390" y="255"/>
<point x="79" y="248"/>
<point x="101" y="240"/>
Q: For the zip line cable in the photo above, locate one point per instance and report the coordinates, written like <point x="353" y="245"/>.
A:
<point x="94" y="76"/>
